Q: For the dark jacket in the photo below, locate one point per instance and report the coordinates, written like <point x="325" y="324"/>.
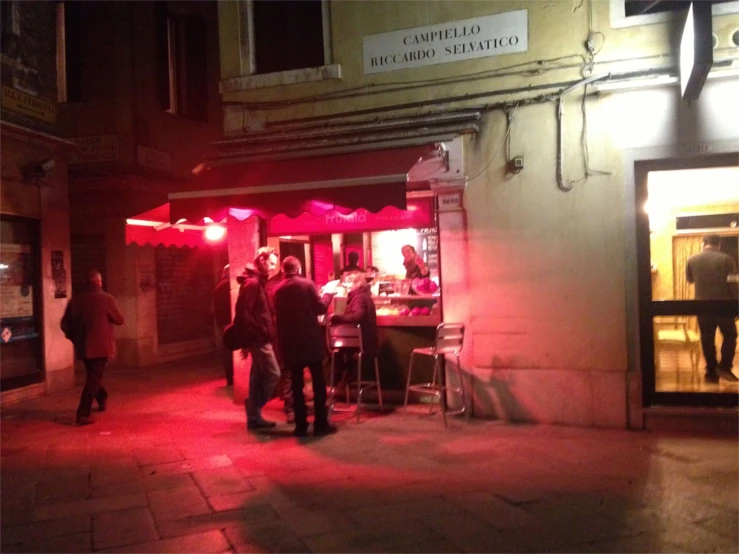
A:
<point x="253" y="310"/>
<point x="350" y="268"/>
<point x="297" y="307"/>
<point x="222" y="302"/>
<point x="360" y="309"/>
<point x="88" y="322"/>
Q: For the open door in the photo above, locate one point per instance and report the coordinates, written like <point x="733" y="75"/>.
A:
<point x="679" y="202"/>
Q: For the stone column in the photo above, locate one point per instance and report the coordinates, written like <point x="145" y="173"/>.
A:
<point x="243" y="243"/>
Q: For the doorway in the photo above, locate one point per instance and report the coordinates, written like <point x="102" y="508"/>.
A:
<point x="678" y="203"/>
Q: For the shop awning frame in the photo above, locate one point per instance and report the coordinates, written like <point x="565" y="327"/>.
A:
<point x="342" y="182"/>
<point x="289" y="187"/>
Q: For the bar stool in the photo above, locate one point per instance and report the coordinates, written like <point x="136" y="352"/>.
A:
<point x="350" y="336"/>
<point x="449" y="340"/>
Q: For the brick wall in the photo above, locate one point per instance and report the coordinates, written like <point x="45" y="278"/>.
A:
<point x="185" y="281"/>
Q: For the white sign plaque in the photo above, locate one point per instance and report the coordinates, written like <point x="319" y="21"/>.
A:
<point x="479" y="37"/>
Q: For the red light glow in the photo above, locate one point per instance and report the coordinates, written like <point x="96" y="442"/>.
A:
<point x="215" y="232"/>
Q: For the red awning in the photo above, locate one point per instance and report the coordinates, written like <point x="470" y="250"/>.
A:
<point x="152" y="227"/>
<point x="344" y="183"/>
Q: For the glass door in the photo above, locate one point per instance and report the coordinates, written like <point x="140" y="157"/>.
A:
<point x="687" y="321"/>
<point x="20" y="303"/>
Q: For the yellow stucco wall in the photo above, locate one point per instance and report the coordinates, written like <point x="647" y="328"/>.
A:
<point x="548" y="338"/>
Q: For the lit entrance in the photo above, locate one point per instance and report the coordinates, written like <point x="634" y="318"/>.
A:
<point x="681" y="202"/>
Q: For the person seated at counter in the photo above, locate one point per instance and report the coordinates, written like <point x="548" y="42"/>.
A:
<point x="360" y="310"/>
<point x="415" y="268"/>
<point x="353" y="265"/>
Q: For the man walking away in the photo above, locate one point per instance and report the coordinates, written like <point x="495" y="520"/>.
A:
<point x="222" y="315"/>
<point x="301" y="341"/>
<point x="709" y="270"/>
<point x="257" y="322"/>
<point x="88" y="322"/>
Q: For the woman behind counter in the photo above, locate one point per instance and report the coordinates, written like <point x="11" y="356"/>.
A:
<point x="414" y="266"/>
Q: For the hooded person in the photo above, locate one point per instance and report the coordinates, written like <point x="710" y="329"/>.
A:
<point x="257" y="324"/>
<point x="222" y="315"/>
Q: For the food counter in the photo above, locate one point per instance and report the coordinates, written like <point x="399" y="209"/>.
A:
<point x="408" y="310"/>
<point x="401" y="328"/>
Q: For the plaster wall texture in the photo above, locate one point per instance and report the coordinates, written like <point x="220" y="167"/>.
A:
<point x="548" y="278"/>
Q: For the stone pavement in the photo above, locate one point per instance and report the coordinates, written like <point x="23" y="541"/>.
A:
<point x="170" y="468"/>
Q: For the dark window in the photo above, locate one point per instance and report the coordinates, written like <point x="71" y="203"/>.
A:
<point x="74" y="48"/>
<point x="642" y="7"/>
<point x="288" y="35"/>
<point x="182" y="63"/>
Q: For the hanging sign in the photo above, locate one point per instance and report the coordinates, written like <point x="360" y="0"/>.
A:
<point x="31" y="106"/>
<point x="466" y="39"/>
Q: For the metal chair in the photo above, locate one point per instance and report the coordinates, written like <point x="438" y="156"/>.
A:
<point x="449" y="340"/>
<point x="350" y="336"/>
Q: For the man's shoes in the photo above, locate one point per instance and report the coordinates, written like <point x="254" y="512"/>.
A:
<point x="324" y="430"/>
<point x="84" y="420"/>
<point x="260" y="424"/>
<point x="727" y="375"/>
<point x="301" y="432"/>
<point x="711" y="377"/>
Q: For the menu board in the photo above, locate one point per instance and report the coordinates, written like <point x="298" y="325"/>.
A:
<point x="428" y="240"/>
<point x="323" y="259"/>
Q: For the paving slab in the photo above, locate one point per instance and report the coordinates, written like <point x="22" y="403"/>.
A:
<point x="175" y="470"/>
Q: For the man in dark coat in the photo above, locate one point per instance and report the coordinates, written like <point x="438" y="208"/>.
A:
<point x="222" y="315"/>
<point x="256" y="320"/>
<point x="360" y="310"/>
<point x="302" y="344"/>
<point x="88" y="322"/>
<point x="353" y="265"/>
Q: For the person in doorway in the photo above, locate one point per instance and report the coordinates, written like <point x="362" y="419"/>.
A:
<point x="353" y="265"/>
<point x="222" y="315"/>
<point x="257" y="322"/>
<point x="297" y="307"/>
<point x="709" y="271"/>
<point x="360" y="310"/>
<point x="414" y="266"/>
<point x="88" y="322"/>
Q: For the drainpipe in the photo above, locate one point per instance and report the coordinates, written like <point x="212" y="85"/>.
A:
<point x="560" y="129"/>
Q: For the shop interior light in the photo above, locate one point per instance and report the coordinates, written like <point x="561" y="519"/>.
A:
<point x="241" y="213"/>
<point x="215" y="232"/>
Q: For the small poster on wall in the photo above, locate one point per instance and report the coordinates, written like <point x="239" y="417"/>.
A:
<point x="58" y="274"/>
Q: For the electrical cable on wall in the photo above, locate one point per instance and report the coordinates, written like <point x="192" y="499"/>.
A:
<point x="505" y="137"/>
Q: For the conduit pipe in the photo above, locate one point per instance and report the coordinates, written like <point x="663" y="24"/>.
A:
<point x="560" y="128"/>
